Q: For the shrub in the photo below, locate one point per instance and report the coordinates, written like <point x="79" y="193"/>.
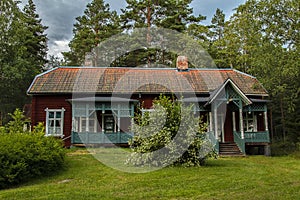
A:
<point x="283" y="148"/>
<point x="27" y="155"/>
<point x="16" y="125"/>
<point x="155" y="133"/>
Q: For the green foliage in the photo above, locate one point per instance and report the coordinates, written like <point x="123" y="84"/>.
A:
<point x="171" y="134"/>
<point x="97" y="24"/>
<point x="16" y="125"/>
<point x="261" y="39"/>
<point x="22" y="55"/>
<point x="27" y="155"/>
<point x="175" y="15"/>
<point x="282" y="148"/>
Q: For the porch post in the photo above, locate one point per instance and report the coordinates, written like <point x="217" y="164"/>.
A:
<point x="266" y="120"/>
<point x="87" y="118"/>
<point x="102" y="116"/>
<point x="233" y="122"/>
<point x="216" y="123"/>
<point x="132" y="115"/>
<point x="241" y="123"/>
<point x="119" y="120"/>
<point x="210" y="122"/>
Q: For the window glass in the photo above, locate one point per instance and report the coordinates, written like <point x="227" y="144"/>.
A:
<point x="51" y="115"/>
<point x="54" y="125"/>
<point x="58" y="114"/>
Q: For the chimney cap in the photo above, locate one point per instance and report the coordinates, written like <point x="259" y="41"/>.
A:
<point x="182" y="63"/>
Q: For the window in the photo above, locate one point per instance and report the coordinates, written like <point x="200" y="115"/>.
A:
<point x="250" y="122"/>
<point x="86" y="124"/>
<point x="54" y="121"/>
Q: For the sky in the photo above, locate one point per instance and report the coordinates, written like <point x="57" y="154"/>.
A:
<point x="60" y="15"/>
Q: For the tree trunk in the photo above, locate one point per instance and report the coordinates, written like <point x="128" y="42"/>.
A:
<point x="282" y="118"/>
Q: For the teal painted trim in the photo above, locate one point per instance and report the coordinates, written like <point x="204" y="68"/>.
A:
<point x="259" y="107"/>
<point x="211" y="138"/>
<point x="100" y="138"/>
<point x="253" y="137"/>
<point x="239" y="141"/>
<point x="265" y="108"/>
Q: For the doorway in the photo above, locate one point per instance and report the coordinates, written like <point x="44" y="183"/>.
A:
<point x="228" y="127"/>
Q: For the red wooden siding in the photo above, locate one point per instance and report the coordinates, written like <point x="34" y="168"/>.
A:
<point x="40" y="103"/>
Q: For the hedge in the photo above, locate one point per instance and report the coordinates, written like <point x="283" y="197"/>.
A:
<point x="27" y="155"/>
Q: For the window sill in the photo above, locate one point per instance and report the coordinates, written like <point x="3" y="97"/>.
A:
<point x="55" y="135"/>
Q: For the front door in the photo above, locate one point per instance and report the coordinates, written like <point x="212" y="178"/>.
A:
<point x="228" y="128"/>
<point x="109" y="124"/>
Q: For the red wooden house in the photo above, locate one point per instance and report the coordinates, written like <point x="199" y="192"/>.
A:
<point x="94" y="105"/>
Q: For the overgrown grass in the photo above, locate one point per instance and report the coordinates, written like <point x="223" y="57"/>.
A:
<point x="256" y="177"/>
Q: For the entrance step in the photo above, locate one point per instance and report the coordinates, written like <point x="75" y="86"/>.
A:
<point x="229" y="149"/>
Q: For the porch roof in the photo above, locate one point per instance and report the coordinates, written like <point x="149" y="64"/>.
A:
<point x="102" y="99"/>
<point x="100" y="80"/>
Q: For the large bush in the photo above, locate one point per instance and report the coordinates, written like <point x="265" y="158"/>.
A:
<point x="171" y="134"/>
<point x="27" y="155"/>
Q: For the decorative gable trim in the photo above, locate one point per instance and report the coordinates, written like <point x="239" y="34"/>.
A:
<point x="216" y="93"/>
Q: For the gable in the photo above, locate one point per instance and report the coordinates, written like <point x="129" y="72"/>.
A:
<point x="229" y="91"/>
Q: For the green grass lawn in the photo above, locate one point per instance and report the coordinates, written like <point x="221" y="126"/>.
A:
<point x="255" y="177"/>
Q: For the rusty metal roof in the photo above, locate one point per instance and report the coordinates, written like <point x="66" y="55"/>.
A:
<point x="97" y="80"/>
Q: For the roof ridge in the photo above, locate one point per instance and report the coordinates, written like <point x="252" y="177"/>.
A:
<point x="142" y="68"/>
<point x="238" y="71"/>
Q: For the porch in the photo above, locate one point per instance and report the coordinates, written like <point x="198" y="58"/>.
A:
<point x="101" y="120"/>
<point x="237" y="120"/>
<point x="100" y="138"/>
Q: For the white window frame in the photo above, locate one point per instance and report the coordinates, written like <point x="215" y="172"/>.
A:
<point x="91" y="118"/>
<point x="248" y="118"/>
<point x="61" y="119"/>
<point x="78" y="123"/>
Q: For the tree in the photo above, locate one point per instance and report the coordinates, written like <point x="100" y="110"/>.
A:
<point x="169" y="14"/>
<point x="175" y="15"/>
<point x="217" y="45"/>
<point x="170" y="135"/>
<point x="261" y="39"/>
<point x="97" y="24"/>
<point x="36" y="39"/>
<point x="21" y="52"/>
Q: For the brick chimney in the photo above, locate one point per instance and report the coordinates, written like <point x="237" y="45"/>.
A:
<point x="182" y="63"/>
<point x="88" y="60"/>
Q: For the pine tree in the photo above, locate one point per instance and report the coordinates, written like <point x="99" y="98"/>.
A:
<point x="170" y="14"/>
<point x="21" y="55"/>
<point x="148" y="14"/>
<point x="97" y="24"/>
<point x="36" y="39"/>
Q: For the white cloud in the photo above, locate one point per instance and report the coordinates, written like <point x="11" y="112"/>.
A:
<point x="57" y="47"/>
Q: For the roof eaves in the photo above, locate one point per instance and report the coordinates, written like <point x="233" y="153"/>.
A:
<point x="266" y="91"/>
<point x="37" y="76"/>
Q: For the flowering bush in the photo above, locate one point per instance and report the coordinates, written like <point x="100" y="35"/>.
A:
<point x="171" y="134"/>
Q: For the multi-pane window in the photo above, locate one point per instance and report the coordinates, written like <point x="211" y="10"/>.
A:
<point x="250" y="122"/>
<point x="54" y="121"/>
<point x="86" y="124"/>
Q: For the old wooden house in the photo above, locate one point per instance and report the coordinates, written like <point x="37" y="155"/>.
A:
<point x="94" y="105"/>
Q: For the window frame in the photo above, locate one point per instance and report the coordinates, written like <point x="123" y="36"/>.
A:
<point x="247" y="119"/>
<point x="55" y="119"/>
